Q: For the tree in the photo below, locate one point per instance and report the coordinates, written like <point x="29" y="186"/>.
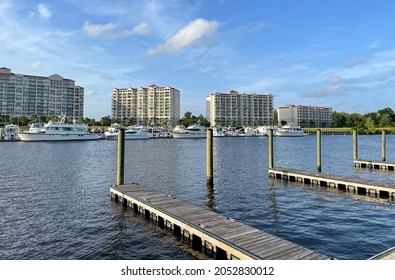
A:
<point x="190" y="119"/>
<point x="385" y="120"/>
<point x="105" y="121"/>
<point x="339" y="119"/>
<point x="369" y="124"/>
<point x="354" y="120"/>
<point x="275" y="117"/>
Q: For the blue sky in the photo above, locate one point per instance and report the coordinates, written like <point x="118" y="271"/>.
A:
<point x="334" y="53"/>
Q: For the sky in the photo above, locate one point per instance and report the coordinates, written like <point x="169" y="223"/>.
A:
<point x="338" y="53"/>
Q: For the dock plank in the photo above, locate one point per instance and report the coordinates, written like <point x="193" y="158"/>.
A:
<point x="238" y="239"/>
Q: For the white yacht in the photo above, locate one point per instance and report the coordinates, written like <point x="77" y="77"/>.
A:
<point x="59" y="131"/>
<point x="290" y="130"/>
<point x="131" y="133"/>
<point x="10" y="132"/>
<point x="192" y="131"/>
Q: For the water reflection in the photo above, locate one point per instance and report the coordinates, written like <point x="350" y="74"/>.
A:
<point x="210" y="199"/>
<point x="272" y="205"/>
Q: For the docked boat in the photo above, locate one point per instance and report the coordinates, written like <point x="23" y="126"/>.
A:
<point x="131" y="133"/>
<point x="290" y="130"/>
<point x="192" y="131"/>
<point x="59" y="131"/>
<point x="10" y="133"/>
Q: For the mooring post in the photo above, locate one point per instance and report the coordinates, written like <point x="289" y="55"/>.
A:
<point x="121" y="156"/>
<point x="209" y="158"/>
<point x="355" y="142"/>
<point x="319" y="150"/>
<point x="271" y="157"/>
<point x="383" y="145"/>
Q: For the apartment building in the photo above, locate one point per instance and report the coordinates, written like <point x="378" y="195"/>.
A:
<point x="151" y="105"/>
<point x="306" y="116"/>
<point x="235" y="109"/>
<point x="29" y="95"/>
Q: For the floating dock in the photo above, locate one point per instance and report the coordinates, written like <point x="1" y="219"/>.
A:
<point x="381" y="165"/>
<point x="363" y="187"/>
<point x="208" y="232"/>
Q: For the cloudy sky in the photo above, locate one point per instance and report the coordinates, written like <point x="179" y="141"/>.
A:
<point x="333" y="53"/>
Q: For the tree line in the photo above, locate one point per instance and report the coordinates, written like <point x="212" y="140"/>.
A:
<point x="369" y="122"/>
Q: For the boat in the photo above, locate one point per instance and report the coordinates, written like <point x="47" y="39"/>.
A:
<point x="131" y="133"/>
<point x="59" y="131"/>
<point x="192" y="131"/>
<point x="290" y="130"/>
<point x="10" y="133"/>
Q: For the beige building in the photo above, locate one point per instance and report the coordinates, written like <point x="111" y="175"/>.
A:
<point x="29" y="95"/>
<point x="146" y="106"/>
<point x="234" y="109"/>
<point x="306" y="116"/>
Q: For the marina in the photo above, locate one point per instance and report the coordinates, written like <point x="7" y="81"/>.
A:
<point x="75" y="177"/>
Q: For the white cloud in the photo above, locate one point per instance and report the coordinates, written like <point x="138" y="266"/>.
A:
<point x="35" y="65"/>
<point x="336" y="80"/>
<point x="89" y="93"/>
<point x="141" y="29"/>
<point x="354" y="62"/>
<point x="44" y="11"/>
<point x="199" y="31"/>
<point x="333" y="91"/>
<point x="112" y="30"/>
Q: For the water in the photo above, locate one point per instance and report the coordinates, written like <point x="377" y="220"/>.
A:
<point x="55" y="201"/>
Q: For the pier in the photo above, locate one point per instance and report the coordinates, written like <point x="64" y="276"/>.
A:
<point x="210" y="233"/>
<point x="353" y="185"/>
<point x="372" y="164"/>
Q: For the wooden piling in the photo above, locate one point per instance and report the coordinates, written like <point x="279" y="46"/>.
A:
<point x="209" y="158"/>
<point x="383" y="145"/>
<point x="319" y="150"/>
<point x="121" y="156"/>
<point x="355" y="142"/>
<point x="271" y="155"/>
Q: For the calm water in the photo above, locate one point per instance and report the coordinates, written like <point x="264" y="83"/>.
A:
<point x="55" y="201"/>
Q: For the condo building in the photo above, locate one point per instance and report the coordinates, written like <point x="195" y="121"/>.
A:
<point x="29" y="95"/>
<point x="235" y="109"/>
<point x="152" y="105"/>
<point x="305" y="116"/>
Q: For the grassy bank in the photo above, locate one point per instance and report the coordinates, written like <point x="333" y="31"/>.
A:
<point x="348" y="130"/>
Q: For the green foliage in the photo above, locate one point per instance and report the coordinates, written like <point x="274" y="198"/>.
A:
<point x="369" y="123"/>
<point x="190" y="119"/>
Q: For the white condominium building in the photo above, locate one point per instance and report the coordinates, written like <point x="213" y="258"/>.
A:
<point x="152" y="105"/>
<point x="306" y="116"/>
<point x="234" y="109"/>
<point x="27" y="95"/>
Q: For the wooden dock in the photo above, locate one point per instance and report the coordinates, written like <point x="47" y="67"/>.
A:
<point x="370" y="164"/>
<point x="354" y="185"/>
<point x="208" y="232"/>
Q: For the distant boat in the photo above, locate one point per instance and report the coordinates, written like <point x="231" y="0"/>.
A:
<point x="59" y="131"/>
<point x="192" y="131"/>
<point x="290" y="130"/>
<point x="131" y="133"/>
<point x="10" y="132"/>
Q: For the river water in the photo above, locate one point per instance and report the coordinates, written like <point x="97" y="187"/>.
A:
<point x="55" y="200"/>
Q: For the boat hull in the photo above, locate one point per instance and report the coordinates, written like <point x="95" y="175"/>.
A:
<point x="178" y="135"/>
<point x="114" y="136"/>
<point x="288" y="134"/>
<point x="35" y="137"/>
